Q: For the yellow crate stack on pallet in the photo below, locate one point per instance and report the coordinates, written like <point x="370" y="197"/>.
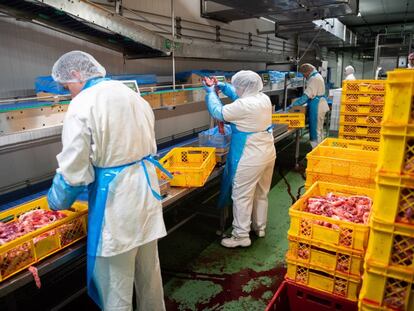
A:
<point x="324" y="253"/>
<point x="389" y="262"/>
<point x="362" y="107"/>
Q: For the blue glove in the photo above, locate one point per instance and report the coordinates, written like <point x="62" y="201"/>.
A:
<point x="228" y="90"/>
<point x="62" y="195"/>
<point x="209" y="89"/>
<point x="214" y="106"/>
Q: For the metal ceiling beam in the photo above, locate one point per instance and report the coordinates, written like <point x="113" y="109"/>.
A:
<point x="101" y="17"/>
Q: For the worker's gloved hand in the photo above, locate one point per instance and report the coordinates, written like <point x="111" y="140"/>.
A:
<point x="228" y="90"/>
<point x="207" y="88"/>
<point x="300" y="101"/>
<point x="62" y="195"/>
<point x="221" y="85"/>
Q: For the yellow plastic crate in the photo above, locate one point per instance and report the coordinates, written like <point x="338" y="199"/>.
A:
<point x="293" y="120"/>
<point x="360" y="130"/>
<point x="372" y="139"/>
<point x="394" y="197"/>
<point x="343" y="162"/>
<point x="327" y="258"/>
<point x="391" y="246"/>
<point x="333" y="283"/>
<point x="363" y="99"/>
<point x="361" y="120"/>
<point x="363" y="86"/>
<point x="364" y="306"/>
<point x="397" y="150"/>
<point x="383" y="289"/>
<point x="190" y="166"/>
<point x="399" y="107"/>
<point x="312" y="177"/>
<point x="31" y="248"/>
<point x="361" y="109"/>
<point x="350" y="144"/>
<point x="342" y="233"/>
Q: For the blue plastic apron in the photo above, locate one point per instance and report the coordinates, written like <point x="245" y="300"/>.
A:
<point x="313" y="107"/>
<point x="98" y="195"/>
<point x="237" y="144"/>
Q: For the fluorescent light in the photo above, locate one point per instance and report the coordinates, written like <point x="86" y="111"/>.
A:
<point x="359" y="14"/>
<point x="267" y="20"/>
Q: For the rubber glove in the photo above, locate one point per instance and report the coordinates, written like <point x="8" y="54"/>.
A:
<point x="62" y="195"/>
<point x="300" y="101"/>
<point x="208" y="89"/>
<point x="228" y="90"/>
<point x="214" y="105"/>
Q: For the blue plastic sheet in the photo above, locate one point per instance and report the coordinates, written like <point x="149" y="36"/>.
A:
<point x="212" y="137"/>
<point x="47" y="85"/>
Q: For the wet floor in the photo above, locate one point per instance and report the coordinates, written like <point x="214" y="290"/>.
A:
<point x="200" y="274"/>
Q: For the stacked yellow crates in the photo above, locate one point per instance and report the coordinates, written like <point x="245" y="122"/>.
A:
<point x="341" y="161"/>
<point x="362" y="107"/>
<point x="324" y="253"/>
<point x="389" y="263"/>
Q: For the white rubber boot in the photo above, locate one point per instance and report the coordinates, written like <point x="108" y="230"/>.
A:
<point x="233" y="242"/>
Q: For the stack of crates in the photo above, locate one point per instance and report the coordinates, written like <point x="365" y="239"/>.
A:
<point x="389" y="263"/>
<point x="342" y="161"/>
<point x="362" y="108"/>
<point x="324" y="253"/>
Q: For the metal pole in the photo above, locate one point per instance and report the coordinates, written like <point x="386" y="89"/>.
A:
<point x="376" y="56"/>
<point x="173" y="42"/>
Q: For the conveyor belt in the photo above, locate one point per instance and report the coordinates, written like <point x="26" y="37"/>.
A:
<point x="77" y="251"/>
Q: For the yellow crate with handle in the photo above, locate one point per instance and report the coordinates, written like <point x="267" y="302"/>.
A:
<point x="361" y="109"/>
<point x="339" y="233"/>
<point x="22" y="252"/>
<point x="328" y="258"/>
<point x="293" y="120"/>
<point x="343" y="162"/>
<point x="336" y="283"/>
<point x="360" y="120"/>
<point x="385" y="289"/>
<point x="355" y="99"/>
<point x="312" y="177"/>
<point x="399" y="107"/>
<point x="363" y="86"/>
<point x="350" y="144"/>
<point x="190" y="166"/>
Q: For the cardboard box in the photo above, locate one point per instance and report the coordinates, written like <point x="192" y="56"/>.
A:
<point x="298" y="109"/>
<point x="153" y="99"/>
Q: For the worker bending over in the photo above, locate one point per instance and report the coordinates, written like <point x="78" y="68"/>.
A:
<point x="249" y="166"/>
<point x="349" y="72"/>
<point x="108" y="139"/>
<point x="314" y="97"/>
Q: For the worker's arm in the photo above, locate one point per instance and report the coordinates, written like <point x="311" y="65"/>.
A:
<point x="214" y="105"/>
<point x="75" y="169"/>
<point x="300" y="101"/>
<point x="228" y="90"/>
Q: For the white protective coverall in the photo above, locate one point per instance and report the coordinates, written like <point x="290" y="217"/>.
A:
<point x="349" y="71"/>
<point x="108" y="125"/>
<point x="251" y="112"/>
<point x="316" y="87"/>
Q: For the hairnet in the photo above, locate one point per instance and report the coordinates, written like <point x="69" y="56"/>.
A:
<point x="304" y="68"/>
<point x="76" y="61"/>
<point x="349" y="70"/>
<point x="247" y="83"/>
<point x="411" y="56"/>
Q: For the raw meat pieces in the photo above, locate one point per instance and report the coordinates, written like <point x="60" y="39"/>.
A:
<point x="33" y="271"/>
<point x="354" y="209"/>
<point x="26" y="223"/>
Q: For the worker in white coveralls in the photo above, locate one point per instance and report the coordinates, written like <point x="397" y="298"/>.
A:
<point x="349" y="73"/>
<point x="108" y="142"/>
<point x="410" y="64"/>
<point x="314" y="97"/>
<point x="249" y="166"/>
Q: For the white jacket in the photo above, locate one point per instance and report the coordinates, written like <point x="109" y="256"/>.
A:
<point x="109" y="125"/>
<point x="253" y="114"/>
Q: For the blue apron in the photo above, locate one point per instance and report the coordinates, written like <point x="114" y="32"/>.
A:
<point x="98" y="195"/>
<point x="237" y="144"/>
<point x="313" y="106"/>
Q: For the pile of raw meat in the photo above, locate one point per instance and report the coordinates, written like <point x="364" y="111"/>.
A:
<point x="354" y="209"/>
<point x="26" y="223"/>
